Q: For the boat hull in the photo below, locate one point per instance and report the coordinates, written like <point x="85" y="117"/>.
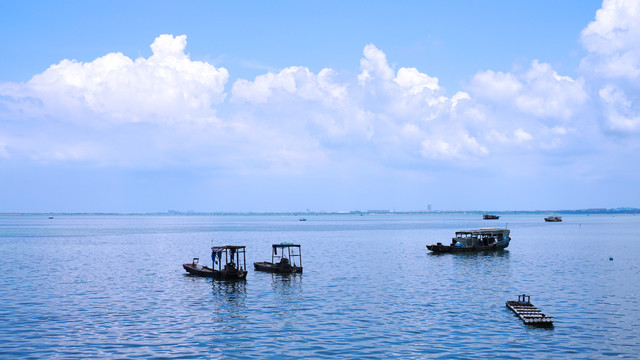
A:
<point x="276" y="268"/>
<point x="439" y="248"/>
<point x="202" y="271"/>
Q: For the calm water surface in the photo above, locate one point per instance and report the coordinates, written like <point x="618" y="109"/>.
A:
<point x="113" y="286"/>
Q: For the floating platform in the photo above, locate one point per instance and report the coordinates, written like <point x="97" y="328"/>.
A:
<point x="528" y="313"/>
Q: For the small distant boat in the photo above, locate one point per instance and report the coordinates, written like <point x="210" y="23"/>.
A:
<point x="302" y="219"/>
<point x="488" y="239"/>
<point x="490" y="217"/>
<point x="235" y="267"/>
<point x="285" y="262"/>
<point x="553" y="219"/>
<point x="50" y="217"/>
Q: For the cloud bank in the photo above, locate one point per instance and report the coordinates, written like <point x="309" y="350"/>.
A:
<point x="168" y="109"/>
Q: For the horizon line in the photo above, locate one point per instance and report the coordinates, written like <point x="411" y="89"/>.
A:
<point x="620" y="210"/>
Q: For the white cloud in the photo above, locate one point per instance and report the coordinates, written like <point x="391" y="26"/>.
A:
<point x="291" y="118"/>
<point x="167" y="86"/>
<point x="622" y="114"/>
<point x="522" y="136"/>
<point x="462" y="147"/>
<point x="549" y="94"/>
<point x="613" y="64"/>
<point x="380" y="114"/>
<point x="459" y="96"/>
<point x="292" y="82"/>
<point x="522" y="109"/>
<point x="409" y="111"/>
<point x="612" y="40"/>
<point x="540" y="91"/>
<point x="374" y="66"/>
<point x="495" y="86"/>
<point x="414" y="81"/>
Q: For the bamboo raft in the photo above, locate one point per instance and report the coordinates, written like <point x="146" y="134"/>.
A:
<point x="528" y="313"/>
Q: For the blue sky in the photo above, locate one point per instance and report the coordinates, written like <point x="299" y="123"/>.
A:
<point x="286" y="106"/>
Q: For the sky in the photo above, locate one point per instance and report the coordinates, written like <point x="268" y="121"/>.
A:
<point x="209" y="106"/>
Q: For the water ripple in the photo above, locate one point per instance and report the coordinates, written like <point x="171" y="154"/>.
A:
<point x="112" y="287"/>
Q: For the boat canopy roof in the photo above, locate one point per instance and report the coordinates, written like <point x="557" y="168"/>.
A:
<point x="224" y="247"/>
<point x="486" y="231"/>
<point x="285" y="245"/>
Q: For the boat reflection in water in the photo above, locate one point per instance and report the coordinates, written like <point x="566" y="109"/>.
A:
<point x="286" y="285"/>
<point x="233" y="291"/>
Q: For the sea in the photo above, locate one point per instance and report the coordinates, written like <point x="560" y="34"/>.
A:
<point x="113" y="286"/>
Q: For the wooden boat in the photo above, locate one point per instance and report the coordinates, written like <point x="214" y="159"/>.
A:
<point x="553" y="219"/>
<point x="194" y="268"/>
<point x="490" y="217"/>
<point x="234" y="268"/>
<point x="488" y="239"/>
<point x="287" y="259"/>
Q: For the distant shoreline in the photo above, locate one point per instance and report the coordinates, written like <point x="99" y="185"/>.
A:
<point x="355" y="212"/>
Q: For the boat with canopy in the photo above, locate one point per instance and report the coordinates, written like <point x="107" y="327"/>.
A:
<point x="229" y="263"/>
<point x="475" y="240"/>
<point x="285" y="258"/>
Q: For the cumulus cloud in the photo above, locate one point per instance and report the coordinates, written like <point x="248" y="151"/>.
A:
<point x="414" y="81"/>
<point x="176" y="109"/>
<point x="613" y="64"/>
<point x="383" y="113"/>
<point x="374" y="66"/>
<point x="495" y="86"/>
<point x="525" y="109"/>
<point x="167" y="86"/>
<point x="409" y="110"/>
<point x="297" y="82"/>
<point x="622" y="114"/>
<point x="539" y="91"/>
<point x="612" y="40"/>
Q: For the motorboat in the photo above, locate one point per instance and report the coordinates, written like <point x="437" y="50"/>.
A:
<point x="488" y="239"/>
<point x="229" y="263"/>
<point x="288" y="260"/>
<point x="553" y="219"/>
